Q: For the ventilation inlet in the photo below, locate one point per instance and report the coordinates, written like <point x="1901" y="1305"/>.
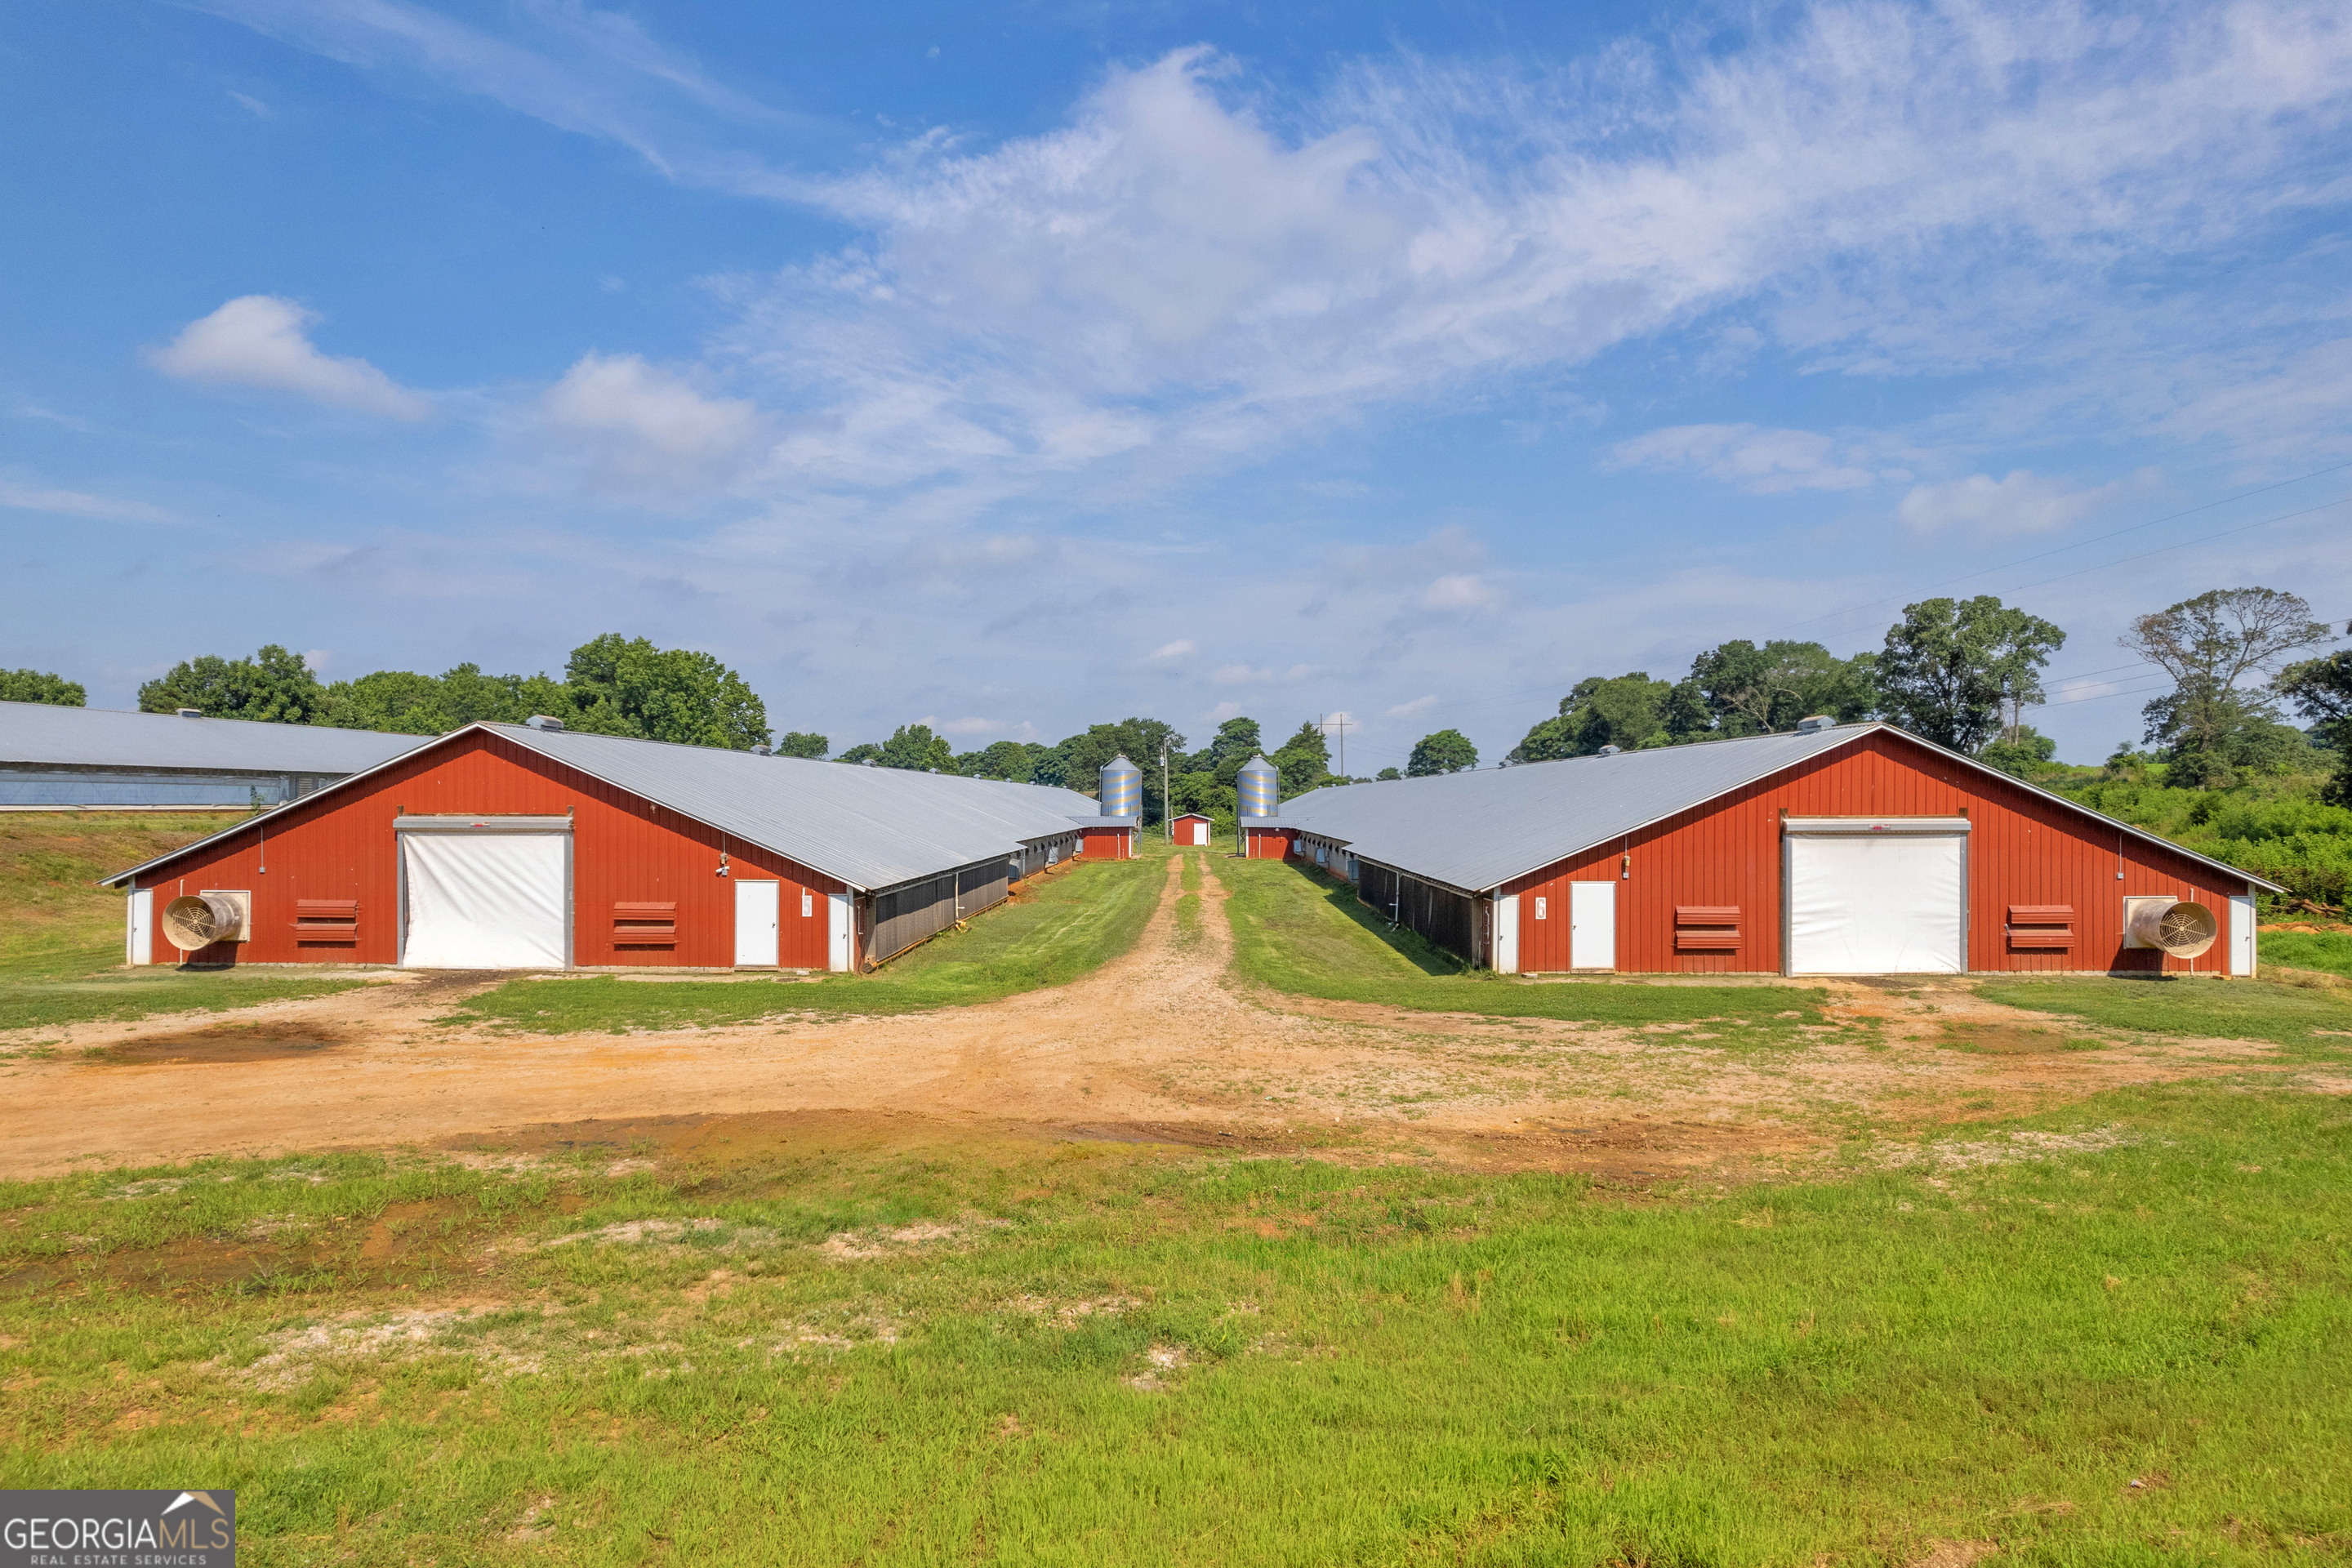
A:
<point x="544" y="721"/>
<point x="1608" y="751"/>
<point x="189" y="712"/>
<point x="1815" y="725"/>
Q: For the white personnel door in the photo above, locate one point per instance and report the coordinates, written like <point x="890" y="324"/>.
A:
<point x="1887" y="898"/>
<point x="756" y="908"/>
<point x="138" y="929"/>
<point x="841" y="933"/>
<point x="484" y="900"/>
<point x="2241" y="934"/>
<point x="1593" y="925"/>
<point x="1507" y="933"/>
<point x="1199" y="833"/>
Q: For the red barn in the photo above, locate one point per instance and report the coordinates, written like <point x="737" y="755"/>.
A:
<point x="1265" y="837"/>
<point x="1838" y="849"/>
<point x="502" y="846"/>
<point x="1193" y="829"/>
<point x="1105" y="838"/>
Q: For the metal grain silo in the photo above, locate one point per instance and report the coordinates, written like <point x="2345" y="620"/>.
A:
<point x="1259" y="788"/>
<point x="1121" y="790"/>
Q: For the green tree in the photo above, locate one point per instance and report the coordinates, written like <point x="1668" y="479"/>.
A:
<point x="38" y="686"/>
<point x="1385" y="775"/>
<point x="2021" y="753"/>
<point x="1304" y="763"/>
<point x="1951" y="667"/>
<point x="1446" y="752"/>
<point x="1234" y="743"/>
<point x="803" y="743"/>
<point x="1004" y="760"/>
<point x="1082" y="757"/>
<point x="274" y="686"/>
<point x="1740" y="689"/>
<point x="913" y="747"/>
<point x="2321" y="690"/>
<point x="1626" y="712"/>
<point x="629" y="686"/>
<point x="861" y="753"/>
<point x="2214" y="725"/>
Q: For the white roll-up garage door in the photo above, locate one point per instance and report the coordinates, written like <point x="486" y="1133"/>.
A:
<point x="1885" y="895"/>
<point x="479" y="895"/>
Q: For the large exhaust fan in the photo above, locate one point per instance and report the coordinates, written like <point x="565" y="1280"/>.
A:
<point x="199" y="920"/>
<point x="2179" y="929"/>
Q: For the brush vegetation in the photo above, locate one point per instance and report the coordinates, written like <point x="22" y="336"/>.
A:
<point x="1301" y="931"/>
<point x="2121" y="1334"/>
<point x="1061" y="927"/>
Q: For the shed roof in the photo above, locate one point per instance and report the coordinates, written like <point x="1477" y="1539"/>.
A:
<point x="1099" y="821"/>
<point x="869" y="828"/>
<point x="1477" y="830"/>
<point x="49" y="736"/>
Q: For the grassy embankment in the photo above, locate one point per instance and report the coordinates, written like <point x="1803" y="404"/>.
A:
<point x="1297" y="930"/>
<point x="61" y="947"/>
<point x="2118" y="1334"/>
<point x="1061" y="927"/>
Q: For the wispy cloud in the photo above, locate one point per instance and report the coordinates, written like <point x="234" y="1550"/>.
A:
<point x="34" y="497"/>
<point x="1759" y="461"/>
<point x="260" y="340"/>
<point x="2021" y="502"/>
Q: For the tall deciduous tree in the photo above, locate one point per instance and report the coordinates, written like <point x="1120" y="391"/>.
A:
<point x="628" y="686"/>
<point x="2214" y="721"/>
<point x="2321" y="690"/>
<point x="1740" y="689"/>
<point x="1957" y="670"/>
<point x="1445" y="751"/>
<point x="803" y="743"/>
<point x="1626" y="711"/>
<point x="1081" y="758"/>
<point x="1305" y="760"/>
<point x="914" y="748"/>
<point x="39" y="686"/>
<point x="274" y="686"/>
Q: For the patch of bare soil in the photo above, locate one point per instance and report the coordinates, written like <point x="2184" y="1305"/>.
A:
<point x="1160" y="1047"/>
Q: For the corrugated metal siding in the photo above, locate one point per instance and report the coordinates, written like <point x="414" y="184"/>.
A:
<point x="1108" y="844"/>
<point x="2023" y="850"/>
<point x="1449" y="919"/>
<point x="1258" y="844"/>
<point x="624" y="851"/>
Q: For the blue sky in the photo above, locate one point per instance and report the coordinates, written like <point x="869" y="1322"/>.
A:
<point x="1014" y="367"/>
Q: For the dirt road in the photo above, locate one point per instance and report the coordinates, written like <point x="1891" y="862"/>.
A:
<point x="1165" y="1043"/>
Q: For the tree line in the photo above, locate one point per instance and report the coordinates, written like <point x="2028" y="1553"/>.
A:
<point x="1962" y="673"/>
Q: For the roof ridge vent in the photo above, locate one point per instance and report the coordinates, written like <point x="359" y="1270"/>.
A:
<point x="1815" y="725"/>
<point x="764" y="750"/>
<point x="544" y="721"/>
<point x="1608" y="751"/>
<point x="189" y="712"/>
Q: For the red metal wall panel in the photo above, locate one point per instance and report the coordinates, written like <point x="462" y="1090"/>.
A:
<point x="2023" y="850"/>
<point x="1268" y="843"/>
<point x="1107" y="844"/>
<point x="625" y="849"/>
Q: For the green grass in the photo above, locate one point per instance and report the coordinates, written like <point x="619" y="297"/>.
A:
<point x="44" y="1004"/>
<point x="1070" y="924"/>
<point x="1364" y="1365"/>
<point x="2329" y="951"/>
<point x="2318" y="1022"/>
<point x="1299" y="931"/>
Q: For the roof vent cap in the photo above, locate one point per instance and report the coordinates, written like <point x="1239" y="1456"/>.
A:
<point x="872" y="763"/>
<point x="1608" y="751"/>
<point x="764" y="750"/>
<point x="1815" y="725"/>
<point x="189" y="712"/>
<point x="544" y="721"/>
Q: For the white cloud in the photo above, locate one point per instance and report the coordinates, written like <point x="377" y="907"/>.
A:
<point x="254" y="106"/>
<point x="1461" y="591"/>
<point x="647" y="424"/>
<point x="2023" y="502"/>
<point x="1418" y="706"/>
<point x="1758" y="460"/>
<point x="1177" y="650"/>
<point x="259" y="339"/>
<point x="77" y="503"/>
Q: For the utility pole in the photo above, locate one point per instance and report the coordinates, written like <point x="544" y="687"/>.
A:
<point x="1167" y="821"/>
<point x="1326" y="724"/>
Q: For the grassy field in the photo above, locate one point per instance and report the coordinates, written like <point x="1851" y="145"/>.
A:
<point x="2328" y="952"/>
<point x="2118" y="1335"/>
<point x="1063" y="926"/>
<point x="2312" y="1023"/>
<point x="61" y="949"/>
<point x="1299" y="932"/>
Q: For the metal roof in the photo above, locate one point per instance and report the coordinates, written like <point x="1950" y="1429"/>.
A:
<point x="1107" y="821"/>
<point x="41" y="734"/>
<point x="1477" y="830"/>
<point x="870" y="827"/>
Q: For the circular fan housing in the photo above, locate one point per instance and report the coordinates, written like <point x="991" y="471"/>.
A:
<point x="2179" y="929"/>
<point x="199" y="920"/>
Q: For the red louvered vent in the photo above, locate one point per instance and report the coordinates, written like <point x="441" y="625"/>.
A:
<point x="327" y="920"/>
<point x="644" y="925"/>
<point x="2032" y="926"/>
<point x="1706" y="927"/>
